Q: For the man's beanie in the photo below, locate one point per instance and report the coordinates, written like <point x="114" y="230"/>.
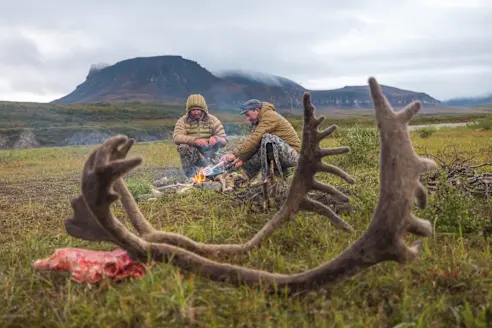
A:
<point x="249" y="105"/>
<point x="196" y="101"/>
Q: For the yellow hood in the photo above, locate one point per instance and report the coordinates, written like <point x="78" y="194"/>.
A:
<point x="196" y="101"/>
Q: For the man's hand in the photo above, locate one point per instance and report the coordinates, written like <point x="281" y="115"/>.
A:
<point x="238" y="163"/>
<point x="201" y="142"/>
<point x="212" y="141"/>
<point x="228" y="158"/>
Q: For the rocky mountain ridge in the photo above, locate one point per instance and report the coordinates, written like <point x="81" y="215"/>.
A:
<point x="470" y="101"/>
<point x="171" y="79"/>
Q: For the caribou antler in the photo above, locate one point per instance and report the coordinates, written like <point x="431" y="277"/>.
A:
<point x="383" y="240"/>
<point x="83" y="225"/>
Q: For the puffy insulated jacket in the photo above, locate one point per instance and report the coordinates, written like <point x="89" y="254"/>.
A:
<point x="269" y="122"/>
<point x="187" y="130"/>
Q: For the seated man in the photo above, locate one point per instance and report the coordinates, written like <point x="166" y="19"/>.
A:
<point x="199" y="135"/>
<point x="272" y="136"/>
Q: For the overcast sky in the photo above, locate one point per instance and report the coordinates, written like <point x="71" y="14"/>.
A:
<point x="441" y="47"/>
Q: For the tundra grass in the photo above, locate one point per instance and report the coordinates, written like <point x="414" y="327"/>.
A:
<point x="451" y="285"/>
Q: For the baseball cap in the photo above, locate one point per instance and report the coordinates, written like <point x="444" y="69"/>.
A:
<point x="249" y="105"/>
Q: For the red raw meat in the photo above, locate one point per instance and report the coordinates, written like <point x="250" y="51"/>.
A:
<point x="92" y="266"/>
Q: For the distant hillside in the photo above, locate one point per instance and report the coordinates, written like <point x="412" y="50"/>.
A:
<point x="469" y="102"/>
<point x="251" y="78"/>
<point x="359" y="97"/>
<point x="170" y="79"/>
<point x="27" y="125"/>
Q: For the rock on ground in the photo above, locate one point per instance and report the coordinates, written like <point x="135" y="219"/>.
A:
<point x="26" y="140"/>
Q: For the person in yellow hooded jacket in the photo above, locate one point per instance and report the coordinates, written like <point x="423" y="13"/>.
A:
<point x="199" y="136"/>
<point x="272" y="137"/>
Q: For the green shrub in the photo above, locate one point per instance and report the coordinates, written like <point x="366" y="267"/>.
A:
<point x="455" y="211"/>
<point x="426" y="132"/>
<point x="363" y="143"/>
<point x="138" y="186"/>
<point x="483" y="124"/>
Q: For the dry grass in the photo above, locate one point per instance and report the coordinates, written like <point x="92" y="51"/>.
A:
<point x="450" y="286"/>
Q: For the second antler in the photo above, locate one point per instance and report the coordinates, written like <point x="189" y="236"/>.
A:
<point x="400" y="169"/>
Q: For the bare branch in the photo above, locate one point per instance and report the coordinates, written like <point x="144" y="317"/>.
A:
<point x="480" y="165"/>
<point x="421" y="196"/>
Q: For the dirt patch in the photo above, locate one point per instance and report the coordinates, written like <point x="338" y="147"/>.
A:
<point x="51" y="190"/>
<point x="43" y="190"/>
<point x="158" y="172"/>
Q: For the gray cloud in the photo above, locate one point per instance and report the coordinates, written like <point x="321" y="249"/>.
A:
<point x="19" y="51"/>
<point x="441" y="47"/>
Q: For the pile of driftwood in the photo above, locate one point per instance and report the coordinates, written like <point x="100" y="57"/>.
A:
<point x="460" y="174"/>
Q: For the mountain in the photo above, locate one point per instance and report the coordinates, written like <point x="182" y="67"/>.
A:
<point x="161" y="78"/>
<point x="251" y="78"/>
<point x="359" y="97"/>
<point x="171" y="79"/>
<point x="469" y="102"/>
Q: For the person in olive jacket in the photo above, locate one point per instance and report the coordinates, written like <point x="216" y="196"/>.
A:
<point x="199" y="135"/>
<point x="272" y="137"/>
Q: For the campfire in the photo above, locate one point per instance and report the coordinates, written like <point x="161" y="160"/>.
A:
<point x="199" y="177"/>
<point x="251" y="193"/>
<point x="222" y="182"/>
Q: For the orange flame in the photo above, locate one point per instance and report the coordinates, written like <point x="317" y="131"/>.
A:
<point x="199" y="177"/>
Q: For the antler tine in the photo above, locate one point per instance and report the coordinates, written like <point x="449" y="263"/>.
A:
<point x="328" y="168"/>
<point x="309" y="110"/>
<point x="319" y="120"/>
<point x="326" y="132"/>
<point x="383" y="108"/>
<point x="409" y="111"/>
<point x="315" y="206"/>
<point x="108" y="148"/>
<point x="382" y="241"/>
